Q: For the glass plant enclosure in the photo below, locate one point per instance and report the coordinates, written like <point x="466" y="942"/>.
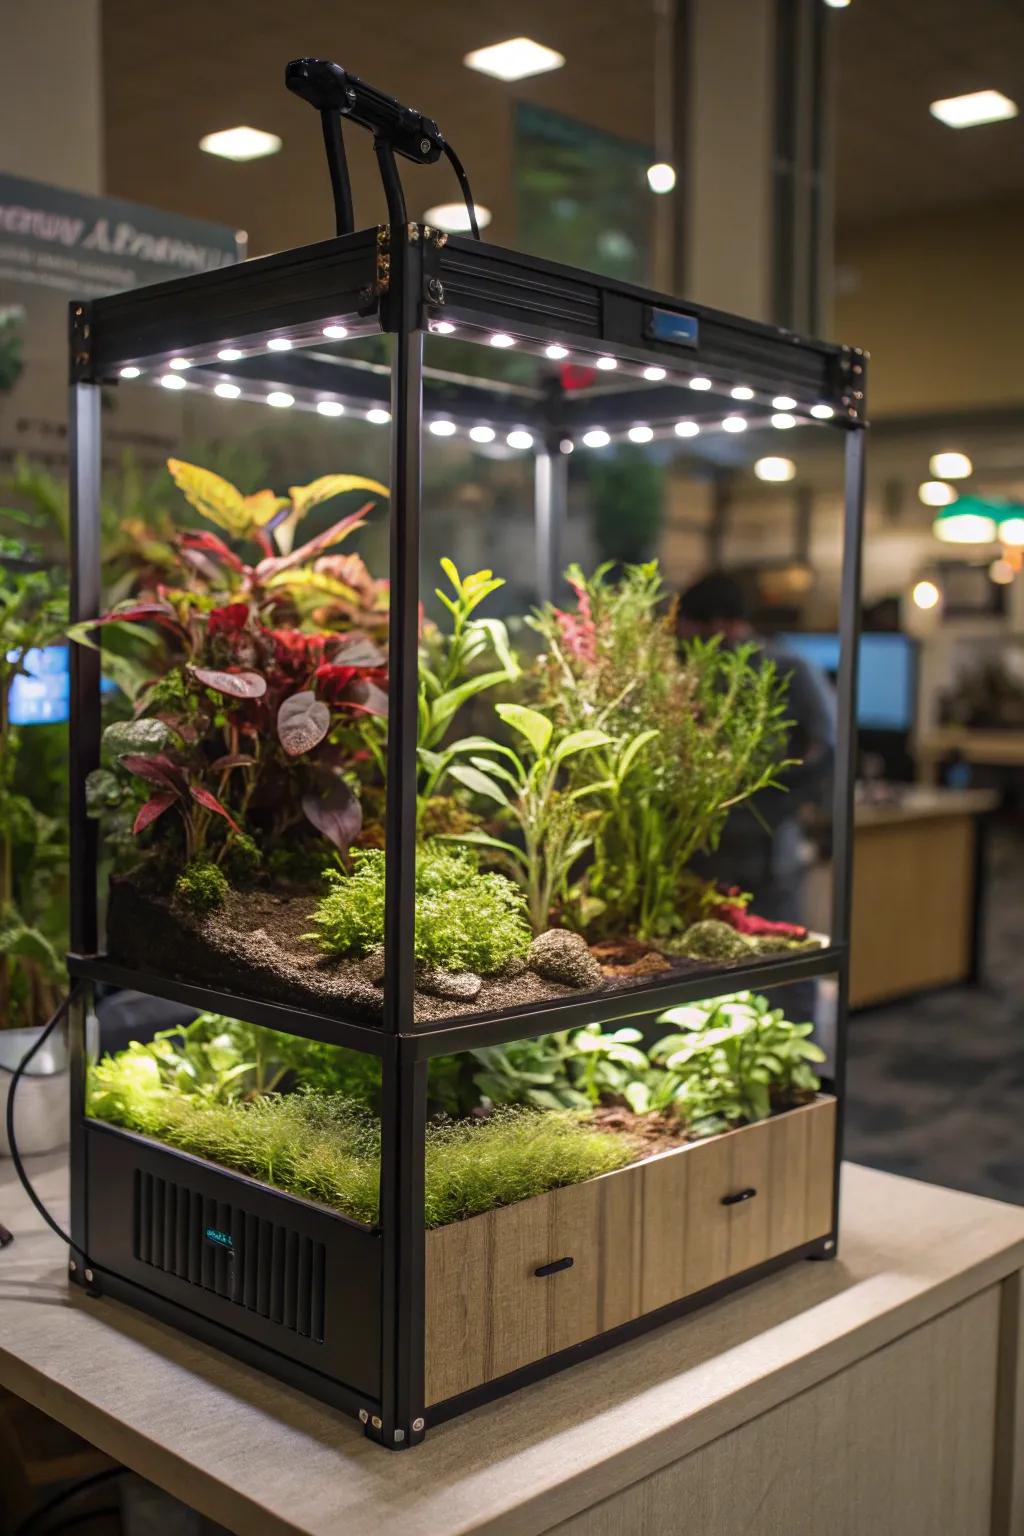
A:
<point x="406" y="824"/>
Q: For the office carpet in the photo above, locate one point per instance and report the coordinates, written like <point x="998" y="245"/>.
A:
<point x="936" y="1083"/>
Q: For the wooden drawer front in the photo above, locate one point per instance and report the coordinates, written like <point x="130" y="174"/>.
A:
<point x="639" y="1239"/>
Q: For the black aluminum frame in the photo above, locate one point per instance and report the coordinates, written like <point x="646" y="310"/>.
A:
<point x="404" y="278"/>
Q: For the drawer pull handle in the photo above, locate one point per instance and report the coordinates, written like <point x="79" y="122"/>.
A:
<point x="739" y="1197"/>
<point x="553" y="1267"/>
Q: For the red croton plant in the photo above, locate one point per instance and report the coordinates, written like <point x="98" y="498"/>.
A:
<point x="267" y="671"/>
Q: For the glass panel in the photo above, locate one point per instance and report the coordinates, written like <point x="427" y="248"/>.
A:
<point x="639" y="789"/>
<point x="299" y="1115"/>
<point x="245" y="569"/>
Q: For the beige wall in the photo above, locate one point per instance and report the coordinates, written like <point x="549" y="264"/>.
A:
<point x="51" y="113"/>
<point x="937" y="300"/>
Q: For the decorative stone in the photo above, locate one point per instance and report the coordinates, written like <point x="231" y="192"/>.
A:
<point x="559" y="955"/>
<point x="459" y="985"/>
<point x="516" y="966"/>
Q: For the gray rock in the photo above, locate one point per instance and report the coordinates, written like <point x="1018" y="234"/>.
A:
<point x="559" y="955"/>
<point x="517" y="966"/>
<point x="460" y="985"/>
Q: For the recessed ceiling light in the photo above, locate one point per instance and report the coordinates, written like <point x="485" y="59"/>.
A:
<point x="500" y="339"/>
<point x="654" y="374"/>
<point x="837" y="5"/>
<point x="227" y="391"/>
<point x="229" y="354"/>
<point x="783" y="421"/>
<point x="454" y="217"/>
<point x="378" y="416"/>
<point x="734" y="424"/>
<point x="482" y="434"/>
<point x="240" y="143"/>
<point x="936" y="493"/>
<point x="742" y="392"/>
<point x="131" y="372"/>
<point x="661" y="177"/>
<point x="556" y="352"/>
<point x="1011" y="531"/>
<point x="519" y="439"/>
<point x="566" y="445"/>
<point x="279" y="344"/>
<point x="597" y="438"/>
<point x="950" y="466"/>
<point x="335" y="332"/>
<point x="281" y="398"/>
<point x="443" y="428"/>
<point x="700" y="383"/>
<point x="606" y="364"/>
<point x="172" y="381"/>
<point x="775" y="470"/>
<point x="822" y="411"/>
<point x="442" y="328"/>
<point x="330" y="408"/>
<point x="514" y="59"/>
<point x="640" y="434"/>
<point x="925" y="594"/>
<point x="179" y="364"/>
<point x="687" y="429"/>
<point x="974" y="108"/>
<point x="784" y="403"/>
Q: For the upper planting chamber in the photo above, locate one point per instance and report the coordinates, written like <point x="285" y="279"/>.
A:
<point x="413" y="720"/>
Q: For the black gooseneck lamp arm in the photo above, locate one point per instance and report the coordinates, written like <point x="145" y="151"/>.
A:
<point x="397" y="130"/>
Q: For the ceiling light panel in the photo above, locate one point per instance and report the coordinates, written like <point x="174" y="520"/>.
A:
<point x="240" y="143"/>
<point x="515" y="59"/>
<point x="973" y="109"/>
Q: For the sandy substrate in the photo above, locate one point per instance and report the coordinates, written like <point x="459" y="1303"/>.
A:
<point x="255" y="945"/>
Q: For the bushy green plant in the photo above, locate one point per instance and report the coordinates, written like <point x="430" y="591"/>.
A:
<point x="465" y="919"/>
<point x="529" y="787"/>
<point x="732" y="1061"/>
<point x="571" y="1069"/>
<point x="201" y="887"/>
<point x="692" y="734"/>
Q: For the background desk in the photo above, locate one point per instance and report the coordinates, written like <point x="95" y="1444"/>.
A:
<point x="878" y="1395"/>
<point x="916" y="919"/>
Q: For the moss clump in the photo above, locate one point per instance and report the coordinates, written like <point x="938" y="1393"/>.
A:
<point x="200" y="888"/>
<point x="711" y="940"/>
<point x="465" y="920"/>
<point x="242" y="859"/>
<point x="326" y="1148"/>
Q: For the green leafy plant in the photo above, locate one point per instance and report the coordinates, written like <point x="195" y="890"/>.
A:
<point x="693" y="733"/>
<point x="528" y="787"/>
<point x="732" y="1061"/>
<point x="201" y="887"/>
<point x="33" y="613"/>
<point x="465" y="919"/>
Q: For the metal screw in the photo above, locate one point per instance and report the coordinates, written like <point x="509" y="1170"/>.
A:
<point x="72" y="1267"/>
<point x="418" y="1424"/>
<point x="435" y="290"/>
<point x="377" y="1423"/>
<point x="829" y="1246"/>
<point x="364" y="1417"/>
<point x="399" y="1436"/>
<point x="89" y="1276"/>
<point x="424" y="146"/>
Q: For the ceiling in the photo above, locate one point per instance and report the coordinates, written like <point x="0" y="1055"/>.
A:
<point x="176" y="72"/>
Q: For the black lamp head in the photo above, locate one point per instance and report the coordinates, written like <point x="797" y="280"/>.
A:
<point x="323" y="84"/>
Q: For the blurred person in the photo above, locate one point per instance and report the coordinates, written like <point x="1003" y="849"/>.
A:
<point x="761" y="848"/>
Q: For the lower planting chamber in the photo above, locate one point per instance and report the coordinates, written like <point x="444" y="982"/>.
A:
<point x="574" y="1182"/>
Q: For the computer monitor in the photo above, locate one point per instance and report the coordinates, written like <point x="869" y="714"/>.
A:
<point x="886" y="674"/>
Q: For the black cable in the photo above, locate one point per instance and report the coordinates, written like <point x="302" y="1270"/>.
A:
<point x="337" y="165"/>
<point x="31" y="1524"/>
<point x="467" y="191"/>
<point x="12" y="1141"/>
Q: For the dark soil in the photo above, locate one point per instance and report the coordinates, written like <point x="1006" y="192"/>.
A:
<point x="654" y="1133"/>
<point x="255" y="945"/>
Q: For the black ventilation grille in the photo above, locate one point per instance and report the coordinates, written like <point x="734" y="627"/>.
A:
<point x="268" y="1269"/>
